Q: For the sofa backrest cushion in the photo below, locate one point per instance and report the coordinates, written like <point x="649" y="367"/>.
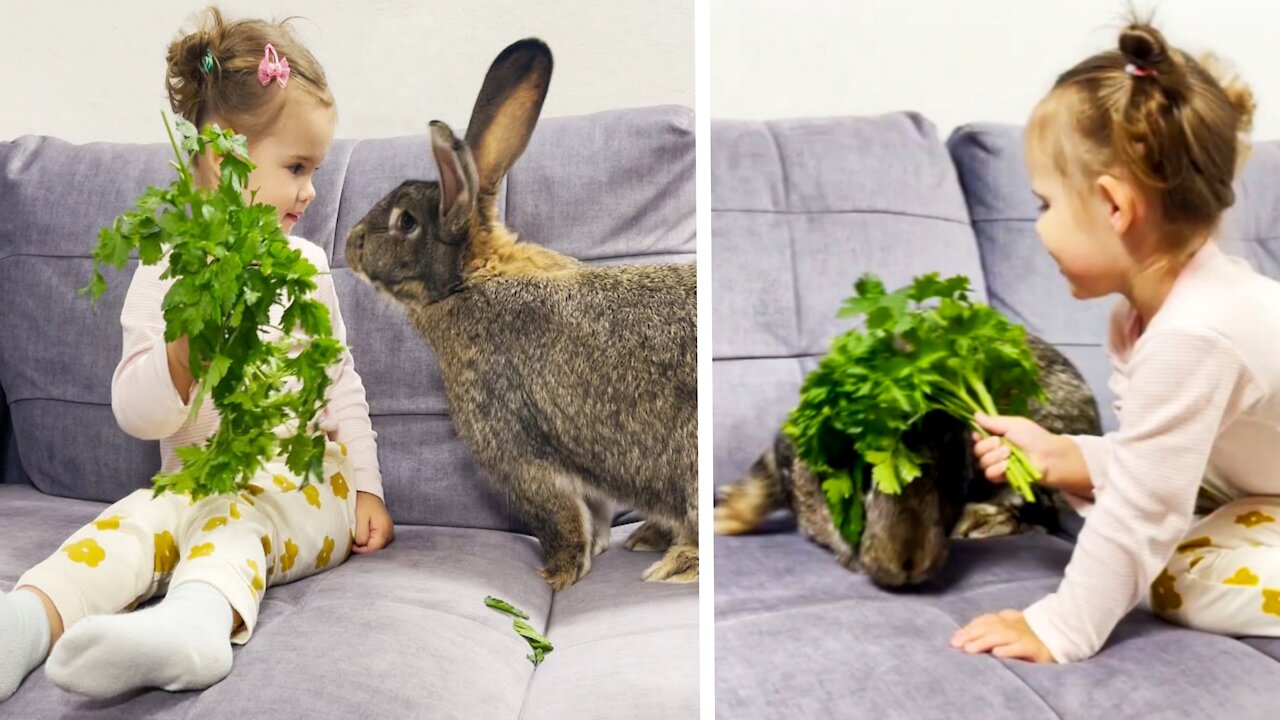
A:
<point x="801" y="209"/>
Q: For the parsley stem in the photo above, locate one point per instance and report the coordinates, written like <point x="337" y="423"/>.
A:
<point x="173" y="143"/>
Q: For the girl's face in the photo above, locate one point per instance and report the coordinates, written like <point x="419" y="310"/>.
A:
<point x="286" y="157"/>
<point x="1078" y="230"/>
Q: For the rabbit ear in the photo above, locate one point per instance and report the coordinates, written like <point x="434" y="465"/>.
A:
<point x="458" y="180"/>
<point x="507" y="110"/>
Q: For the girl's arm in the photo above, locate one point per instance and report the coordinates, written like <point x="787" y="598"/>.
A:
<point x="144" y="397"/>
<point x="1184" y="385"/>
<point x="1081" y="464"/>
<point x="1094" y="451"/>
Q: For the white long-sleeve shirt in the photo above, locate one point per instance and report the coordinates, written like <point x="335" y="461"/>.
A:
<point x="1197" y="395"/>
<point x="147" y="405"/>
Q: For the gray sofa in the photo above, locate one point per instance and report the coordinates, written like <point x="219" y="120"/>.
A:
<point x="402" y="633"/>
<point x="800" y="209"/>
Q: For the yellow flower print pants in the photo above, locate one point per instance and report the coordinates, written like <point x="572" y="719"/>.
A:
<point x="275" y="532"/>
<point x="1225" y="576"/>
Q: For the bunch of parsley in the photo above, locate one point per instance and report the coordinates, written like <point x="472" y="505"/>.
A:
<point x="924" y="347"/>
<point x="231" y="262"/>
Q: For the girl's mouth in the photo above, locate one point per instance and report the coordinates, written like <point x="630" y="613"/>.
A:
<point x="291" y="217"/>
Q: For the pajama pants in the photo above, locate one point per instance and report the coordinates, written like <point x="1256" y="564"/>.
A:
<point x="274" y="532"/>
<point x="1225" y="577"/>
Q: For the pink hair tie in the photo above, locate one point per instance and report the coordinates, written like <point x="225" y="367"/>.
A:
<point x="273" y="66"/>
<point x="1138" y="71"/>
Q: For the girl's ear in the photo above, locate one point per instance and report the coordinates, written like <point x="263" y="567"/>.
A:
<point x="1124" y="203"/>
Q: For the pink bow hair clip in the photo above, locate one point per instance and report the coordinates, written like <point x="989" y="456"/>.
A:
<point x="1139" y="71"/>
<point x="273" y="67"/>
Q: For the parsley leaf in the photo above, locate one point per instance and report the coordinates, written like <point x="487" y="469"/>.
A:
<point x="537" y="641"/>
<point x="923" y="347"/>
<point x="231" y="262"/>
<point x="505" y="607"/>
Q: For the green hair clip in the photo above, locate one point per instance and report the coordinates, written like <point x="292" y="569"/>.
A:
<point x="206" y="63"/>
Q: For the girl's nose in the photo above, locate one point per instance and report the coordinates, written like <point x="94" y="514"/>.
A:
<point x="308" y="192"/>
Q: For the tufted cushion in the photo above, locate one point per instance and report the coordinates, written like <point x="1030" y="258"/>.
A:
<point x="799" y="210"/>
<point x="8" y="455"/>
<point x="837" y="646"/>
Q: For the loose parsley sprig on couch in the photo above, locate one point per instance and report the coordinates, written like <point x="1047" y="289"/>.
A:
<point x="231" y="263"/>
<point x="925" y="347"/>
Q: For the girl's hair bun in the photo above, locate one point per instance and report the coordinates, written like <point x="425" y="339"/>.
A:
<point x="192" y="67"/>
<point x="1145" y="48"/>
<point x="1238" y="93"/>
<point x="213" y="72"/>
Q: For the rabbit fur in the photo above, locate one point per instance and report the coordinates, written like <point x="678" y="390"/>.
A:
<point x="574" y="385"/>
<point x="905" y="540"/>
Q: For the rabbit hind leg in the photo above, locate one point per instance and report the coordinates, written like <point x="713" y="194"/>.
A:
<point x="680" y="563"/>
<point x="651" y="536"/>
<point x="744" y="504"/>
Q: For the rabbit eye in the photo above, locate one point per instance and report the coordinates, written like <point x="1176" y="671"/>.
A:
<point x="407" y="222"/>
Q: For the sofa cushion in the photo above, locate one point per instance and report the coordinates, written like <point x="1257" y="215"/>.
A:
<point x="616" y="186"/>
<point x="798" y="636"/>
<point x="5" y="443"/>
<point x="1023" y="280"/>
<point x="405" y="633"/>
<point x="800" y="209"/>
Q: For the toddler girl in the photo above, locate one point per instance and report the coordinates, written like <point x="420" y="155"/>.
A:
<point x="1133" y="153"/>
<point x="212" y="559"/>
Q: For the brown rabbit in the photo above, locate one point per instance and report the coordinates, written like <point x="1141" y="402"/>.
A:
<point x="575" y="386"/>
<point x="906" y="537"/>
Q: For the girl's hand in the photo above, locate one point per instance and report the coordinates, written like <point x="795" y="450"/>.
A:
<point x="1058" y="459"/>
<point x="374" y="529"/>
<point x="179" y="354"/>
<point x="1040" y="445"/>
<point x="1005" y="634"/>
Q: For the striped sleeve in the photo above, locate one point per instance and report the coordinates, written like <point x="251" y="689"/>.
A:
<point x="143" y="398"/>
<point x="1181" y="387"/>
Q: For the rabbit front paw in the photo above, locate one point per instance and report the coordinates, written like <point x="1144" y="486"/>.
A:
<point x="563" y="571"/>
<point x="848" y="559"/>
<point x="601" y="524"/>
<point x="600" y="540"/>
<point x="986" y="520"/>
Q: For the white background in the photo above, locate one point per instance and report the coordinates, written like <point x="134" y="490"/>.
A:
<point x="87" y="70"/>
<point x="955" y="61"/>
